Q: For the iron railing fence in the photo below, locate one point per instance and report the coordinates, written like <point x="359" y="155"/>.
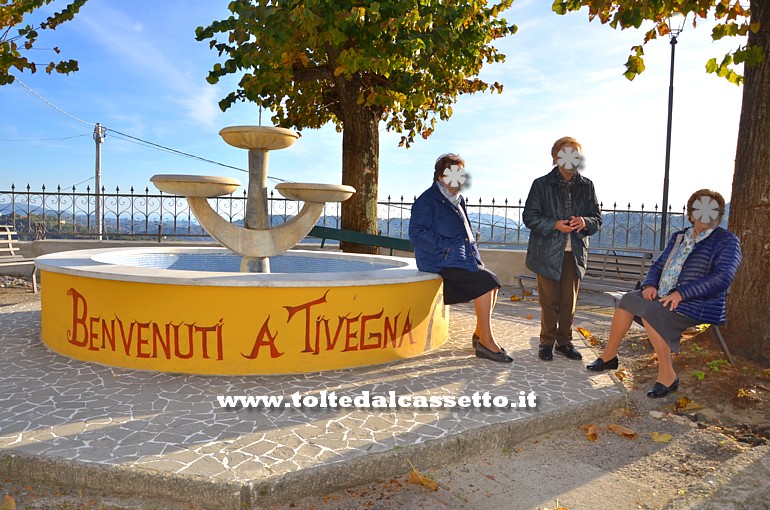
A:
<point x="69" y="213"/>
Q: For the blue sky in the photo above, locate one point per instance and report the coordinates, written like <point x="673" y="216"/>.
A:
<point x="143" y="73"/>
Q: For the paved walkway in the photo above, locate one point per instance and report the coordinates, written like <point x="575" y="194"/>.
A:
<point x="165" y="435"/>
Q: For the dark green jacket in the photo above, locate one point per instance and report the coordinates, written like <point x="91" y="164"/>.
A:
<point x="544" y="206"/>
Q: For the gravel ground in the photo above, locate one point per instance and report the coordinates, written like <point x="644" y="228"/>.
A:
<point x="15" y="290"/>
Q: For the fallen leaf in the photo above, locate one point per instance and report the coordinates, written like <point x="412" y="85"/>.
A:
<point x="528" y="317"/>
<point x="527" y="292"/>
<point x="593" y="341"/>
<point x="592" y="432"/>
<point x="661" y="438"/>
<point x="515" y="298"/>
<point x="9" y="503"/>
<point x="685" y="404"/>
<point x="622" y="431"/>
<point x="584" y="332"/>
<point x="621" y="374"/>
<point x="418" y="479"/>
<point x="491" y="477"/>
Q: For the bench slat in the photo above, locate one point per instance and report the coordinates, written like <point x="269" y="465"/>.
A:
<point x="612" y="270"/>
<point x="10" y="253"/>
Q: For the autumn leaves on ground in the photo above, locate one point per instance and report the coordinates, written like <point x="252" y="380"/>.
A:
<point x="734" y="400"/>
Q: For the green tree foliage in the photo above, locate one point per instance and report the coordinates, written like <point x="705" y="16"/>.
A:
<point x="732" y="18"/>
<point x="356" y="63"/>
<point x="406" y="60"/>
<point x="14" y="47"/>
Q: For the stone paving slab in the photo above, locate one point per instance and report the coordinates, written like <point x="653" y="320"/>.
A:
<point x="158" y="434"/>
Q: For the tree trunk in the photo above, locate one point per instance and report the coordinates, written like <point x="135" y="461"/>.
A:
<point x="360" y="169"/>
<point x="748" y="315"/>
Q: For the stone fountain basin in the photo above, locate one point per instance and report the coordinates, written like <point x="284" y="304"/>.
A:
<point x="206" y="186"/>
<point x="317" y="193"/>
<point x="267" y="138"/>
<point x="180" y="310"/>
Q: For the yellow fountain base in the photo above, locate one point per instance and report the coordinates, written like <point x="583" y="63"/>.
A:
<point x="97" y="308"/>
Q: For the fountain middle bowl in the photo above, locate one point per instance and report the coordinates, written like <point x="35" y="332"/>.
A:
<point x="188" y="310"/>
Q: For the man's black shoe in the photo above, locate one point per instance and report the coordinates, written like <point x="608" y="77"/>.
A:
<point x="568" y="350"/>
<point x="545" y="352"/>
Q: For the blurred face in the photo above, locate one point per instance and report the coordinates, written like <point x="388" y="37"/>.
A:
<point x="704" y="213"/>
<point x="568" y="158"/>
<point x="454" y="178"/>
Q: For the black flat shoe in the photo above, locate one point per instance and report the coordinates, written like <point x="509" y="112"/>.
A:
<point x="475" y="341"/>
<point x="658" y="390"/>
<point x="484" y="353"/>
<point x="545" y="352"/>
<point x="600" y="365"/>
<point x="568" y="350"/>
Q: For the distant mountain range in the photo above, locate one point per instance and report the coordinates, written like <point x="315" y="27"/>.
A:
<point x="619" y="228"/>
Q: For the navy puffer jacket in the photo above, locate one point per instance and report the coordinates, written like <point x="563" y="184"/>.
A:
<point x="706" y="275"/>
<point x="437" y="231"/>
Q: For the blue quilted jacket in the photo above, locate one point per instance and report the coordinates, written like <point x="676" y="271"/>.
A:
<point x="706" y="275"/>
<point x="440" y="240"/>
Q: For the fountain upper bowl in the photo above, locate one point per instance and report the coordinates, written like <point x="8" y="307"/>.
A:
<point x="195" y="185"/>
<point x="312" y="192"/>
<point x="267" y="138"/>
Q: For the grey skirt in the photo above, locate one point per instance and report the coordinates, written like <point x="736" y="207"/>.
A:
<point x="670" y="325"/>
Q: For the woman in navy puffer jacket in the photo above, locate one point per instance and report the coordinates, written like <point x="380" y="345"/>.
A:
<point x="687" y="285"/>
<point x="445" y="244"/>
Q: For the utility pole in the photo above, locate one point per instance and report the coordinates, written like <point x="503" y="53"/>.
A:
<point x="98" y="138"/>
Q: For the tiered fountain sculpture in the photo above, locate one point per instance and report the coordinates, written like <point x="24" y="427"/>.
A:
<point x="257" y="241"/>
<point x="250" y="308"/>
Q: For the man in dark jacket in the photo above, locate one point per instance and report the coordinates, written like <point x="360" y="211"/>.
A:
<point x="561" y="213"/>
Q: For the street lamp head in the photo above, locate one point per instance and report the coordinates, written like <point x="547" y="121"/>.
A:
<point x="676" y="24"/>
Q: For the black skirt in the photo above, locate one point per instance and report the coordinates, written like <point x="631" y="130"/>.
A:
<point x="461" y="285"/>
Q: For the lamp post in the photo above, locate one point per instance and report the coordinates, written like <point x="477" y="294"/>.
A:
<point x="675" y="25"/>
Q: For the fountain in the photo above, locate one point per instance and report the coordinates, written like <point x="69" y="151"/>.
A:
<point x="252" y="307"/>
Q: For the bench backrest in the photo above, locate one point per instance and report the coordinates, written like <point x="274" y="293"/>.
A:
<point x="9" y="246"/>
<point x="618" y="265"/>
<point x="393" y="243"/>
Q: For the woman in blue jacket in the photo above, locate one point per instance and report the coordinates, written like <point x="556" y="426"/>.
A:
<point x="444" y="243"/>
<point x="686" y="286"/>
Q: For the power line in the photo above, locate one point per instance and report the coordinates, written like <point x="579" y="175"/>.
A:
<point x="152" y="145"/>
<point x="16" y="80"/>
<point x="134" y="139"/>
<point x="39" y="139"/>
<point x="51" y="142"/>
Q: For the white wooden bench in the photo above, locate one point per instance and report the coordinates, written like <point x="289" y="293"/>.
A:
<point x="610" y="270"/>
<point x="9" y="253"/>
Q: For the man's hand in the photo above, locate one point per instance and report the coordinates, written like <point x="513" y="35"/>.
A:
<point x="672" y="300"/>
<point x="577" y="223"/>
<point x="564" y="226"/>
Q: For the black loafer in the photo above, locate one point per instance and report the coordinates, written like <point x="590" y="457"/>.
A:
<point x="568" y="350"/>
<point x="600" y="365"/>
<point x="545" y="352"/>
<point x="484" y="353"/>
<point x="658" y="390"/>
